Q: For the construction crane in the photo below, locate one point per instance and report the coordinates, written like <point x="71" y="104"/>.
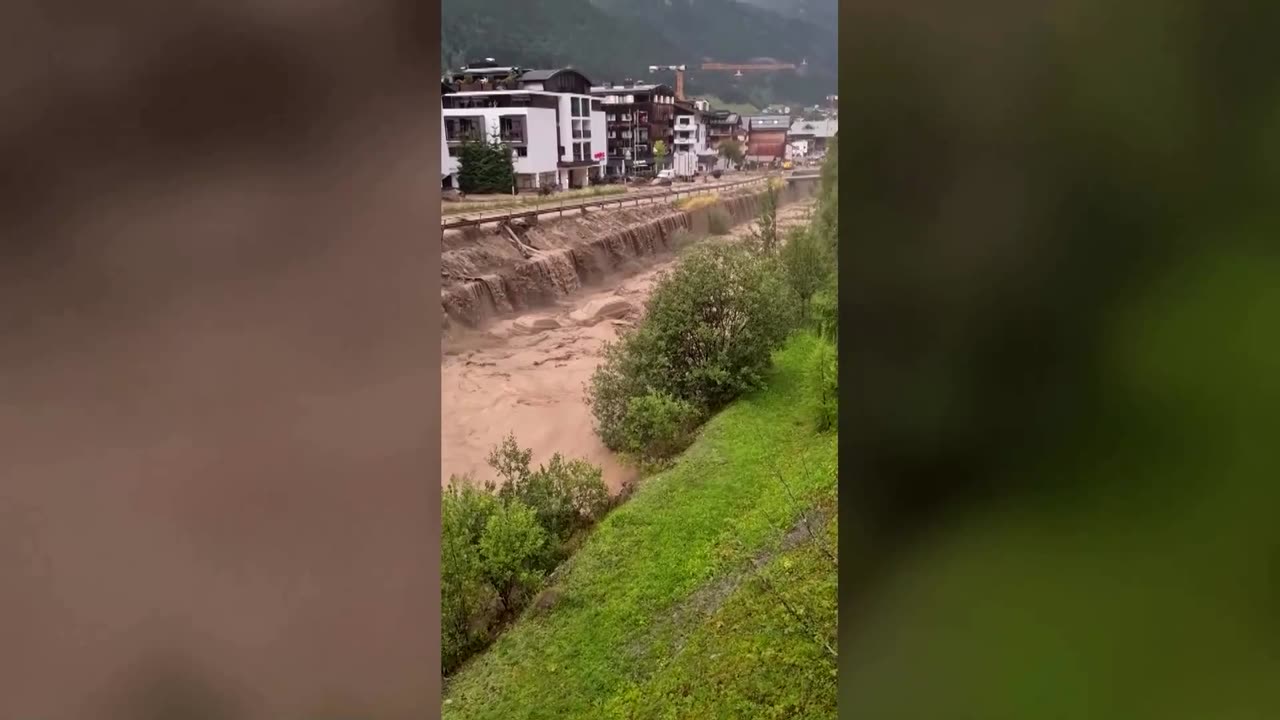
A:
<point x="738" y="68"/>
<point x="679" y="70"/>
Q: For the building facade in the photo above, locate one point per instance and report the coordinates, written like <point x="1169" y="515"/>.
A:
<point x="555" y="128"/>
<point x="767" y="138"/>
<point x="810" y="138"/>
<point x="691" y="154"/>
<point x="723" y="125"/>
<point x="636" y="116"/>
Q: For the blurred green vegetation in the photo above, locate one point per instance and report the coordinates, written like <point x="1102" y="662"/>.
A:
<point x="1063" y="292"/>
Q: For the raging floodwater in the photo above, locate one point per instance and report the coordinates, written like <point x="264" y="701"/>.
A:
<point x="507" y="378"/>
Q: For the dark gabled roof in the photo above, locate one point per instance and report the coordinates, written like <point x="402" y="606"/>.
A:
<point x="558" y="80"/>
<point x="538" y="75"/>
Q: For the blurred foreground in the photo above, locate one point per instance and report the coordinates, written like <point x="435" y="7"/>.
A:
<point x="1063" y="379"/>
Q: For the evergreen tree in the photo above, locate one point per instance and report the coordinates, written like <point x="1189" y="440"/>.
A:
<point x="486" y="167"/>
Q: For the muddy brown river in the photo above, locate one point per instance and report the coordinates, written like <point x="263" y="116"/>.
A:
<point x="507" y="378"/>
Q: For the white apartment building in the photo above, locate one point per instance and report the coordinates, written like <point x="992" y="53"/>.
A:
<point x="689" y="152"/>
<point x="555" y="128"/>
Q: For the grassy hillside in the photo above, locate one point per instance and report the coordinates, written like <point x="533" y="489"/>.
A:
<point x="671" y="609"/>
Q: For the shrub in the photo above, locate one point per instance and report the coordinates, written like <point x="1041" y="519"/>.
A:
<point x="823" y="383"/>
<point x="709" y="330"/>
<point x="565" y="495"/>
<point x="512" y="549"/>
<point x="656" y="427"/>
<point x="718" y="221"/>
<point x="629" y="368"/>
<point x="465" y="591"/>
<point x="824" y="310"/>
<point x="715" y="322"/>
<point x="697" y="202"/>
<point x="496" y="544"/>
<point x="582" y="486"/>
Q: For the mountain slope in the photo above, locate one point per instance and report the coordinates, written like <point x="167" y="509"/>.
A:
<point x="618" y="39"/>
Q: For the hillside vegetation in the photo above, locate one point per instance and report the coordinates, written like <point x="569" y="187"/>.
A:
<point x="661" y="614"/>
<point x="612" y="40"/>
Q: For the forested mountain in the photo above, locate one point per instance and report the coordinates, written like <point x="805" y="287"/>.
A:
<point x="611" y="40"/>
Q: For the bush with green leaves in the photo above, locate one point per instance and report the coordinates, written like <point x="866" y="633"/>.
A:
<point x="565" y="495"/>
<point x="709" y="331"/>
<point x="657" y="427"/>
<point x="512" y="551"/>
<point x="498" y="540"/>
<point x="465" y="591"/>
<point x="808" y="263"/>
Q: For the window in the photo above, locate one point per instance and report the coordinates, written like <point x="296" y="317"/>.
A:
<point x="522" y="151"/>
<point x="577" y="129"/>
<point x="642" y="117"/>
<point x="577" y="151"/>
<point x="511" y="128"/>
<point x="573" y="107"/>
<point x="455" y="151"/>
<point x="458" y="129"/>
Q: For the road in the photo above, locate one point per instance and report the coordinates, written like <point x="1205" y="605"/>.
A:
<point x="553" y="207"/>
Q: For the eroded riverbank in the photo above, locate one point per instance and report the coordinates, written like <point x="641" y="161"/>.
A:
<point x="526" y="376"/>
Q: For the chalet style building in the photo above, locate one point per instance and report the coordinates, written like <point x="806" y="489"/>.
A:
<point x="810" y="138"/>
<point x="555" y="127"/>
<point x="767" y="138"/>
<point x="636" y="116"/>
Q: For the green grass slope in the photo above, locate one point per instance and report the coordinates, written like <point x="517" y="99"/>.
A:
<point x="671" y="609"/>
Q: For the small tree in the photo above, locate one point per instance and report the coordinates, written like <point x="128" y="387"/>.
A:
<point x="765" y="233"/>
<point x="511" y="550"/>
<point x="486" y="167"/>
<point x="808" y="264"/>
<point x="659" y="153"/>
<point x="731" y="151"/>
